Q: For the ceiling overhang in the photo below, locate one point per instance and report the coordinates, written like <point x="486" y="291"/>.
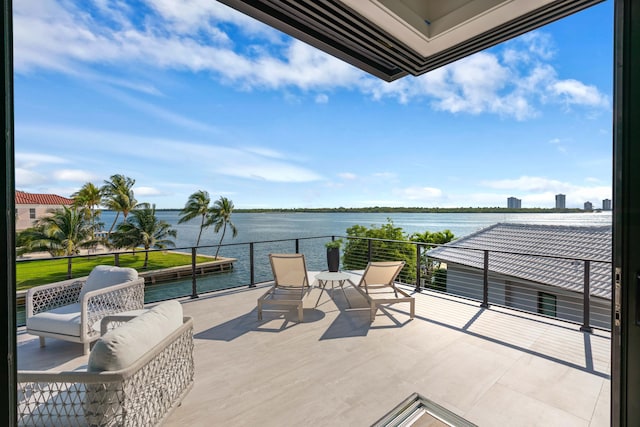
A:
<point x="393" y="38"/>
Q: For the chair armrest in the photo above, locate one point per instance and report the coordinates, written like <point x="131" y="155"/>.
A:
<point x="46" y="297"/>
<point x="113" y="321"/>
<point x="110" y="300"/>
<point x="164" y="373"/>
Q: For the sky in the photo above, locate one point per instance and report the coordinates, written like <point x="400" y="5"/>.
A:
<point x="192" y="95"/>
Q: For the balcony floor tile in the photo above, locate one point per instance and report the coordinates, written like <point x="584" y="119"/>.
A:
<point x="493" y="367"/>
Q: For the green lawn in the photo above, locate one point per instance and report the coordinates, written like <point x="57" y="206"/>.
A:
<point x="43" y="271"/>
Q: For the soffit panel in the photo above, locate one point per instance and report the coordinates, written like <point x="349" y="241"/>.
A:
<point x="393" y="38"/>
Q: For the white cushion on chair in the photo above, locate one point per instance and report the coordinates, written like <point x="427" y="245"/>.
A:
<point x="122" y="346"/>
<point x="107" y="275"/>
<point x="62" y="320"/>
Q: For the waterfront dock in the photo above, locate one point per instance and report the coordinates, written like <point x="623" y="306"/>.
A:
<point x="219" y="265"/>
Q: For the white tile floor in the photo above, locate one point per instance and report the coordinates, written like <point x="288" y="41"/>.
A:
<point x="494" y="367"/>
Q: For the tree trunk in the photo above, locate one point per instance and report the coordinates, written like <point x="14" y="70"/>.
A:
<point x="224" y="230"/>
<point x="200" y="233"/>
<point x="114" y="223"/>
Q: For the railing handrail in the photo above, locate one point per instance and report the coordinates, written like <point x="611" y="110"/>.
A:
<point x="138" y="250"/>
<point x="431" y="246"/>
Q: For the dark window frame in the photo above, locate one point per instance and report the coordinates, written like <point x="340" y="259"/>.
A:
<point x="544" y="299"/>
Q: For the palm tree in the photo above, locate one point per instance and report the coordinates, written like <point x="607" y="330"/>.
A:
<point x="144" y="229"/>
<point x="197" y="205"/>
<point x="221" y="218"/>
<point x="431" y="267"/>
<point x="118" y="196"/>
<point x="88" y="198"/>
<point x="62" y="233"/>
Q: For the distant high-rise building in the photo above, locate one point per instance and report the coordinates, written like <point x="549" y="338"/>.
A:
<point x="588" y="206"/>
<point x="561" y="201"/>
<point x="606" y="205"/>
<point x="514" y="203"/>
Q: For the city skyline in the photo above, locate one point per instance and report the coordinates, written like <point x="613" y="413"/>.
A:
<point x="515" y="203"/>
<point x="201" y="97"/>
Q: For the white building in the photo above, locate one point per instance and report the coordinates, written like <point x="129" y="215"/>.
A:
<point x="514" y="203"/>
<point x="31" y="207"/>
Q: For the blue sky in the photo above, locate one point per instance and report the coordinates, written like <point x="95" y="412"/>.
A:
<point x="192" y="95"/>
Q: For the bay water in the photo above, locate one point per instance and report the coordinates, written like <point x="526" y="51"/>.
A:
<point x="261" y="227"/>
<point x="253" y="227"/>
<point x="270" y="227"/>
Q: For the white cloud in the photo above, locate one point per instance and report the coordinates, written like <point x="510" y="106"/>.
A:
<point x="266" y="152"/>
<point x="322" y="98"/>
<point x="419" y="193"/>
<point x="559" y="144"/>
<point x="35" y="169"/>
<point x="26" y="178"/>
<point x="189" y="15"/>
<point x="276" y="173"/>
<point x="162" y="113"/>
<point x="76" y="175"/>
<point x="540" y="191"/>
<point x="348" y="176"/>
<point x="539" y="44"/>
<point x="473" y="83"/>
<point x="252" y="163"/>
<point x="385" y="175"/>
<point x="138" y="86"/>
<point x="573" y="92"/>
<point x="147" y="191"/>
<point x="66" y="39"/>
<point x="528" y="184"/>
<point x="511" y="80"/>
<point x="34" y="160"/>
<point x="304" y="67"/>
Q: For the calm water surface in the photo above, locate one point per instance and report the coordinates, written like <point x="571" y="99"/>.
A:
<point x="254" y="227"/>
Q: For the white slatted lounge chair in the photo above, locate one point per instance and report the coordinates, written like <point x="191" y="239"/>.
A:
<point x="378" y="286"/>
<point x="290" y="283"/>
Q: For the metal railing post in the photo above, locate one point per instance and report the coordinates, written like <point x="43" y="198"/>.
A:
<point x="369" y="251"/>
<point x="252" y="281"/>
<point x="297" y="246"/>
<point x="586" y="301"/>
<point x="485" y="281"/>
<point x="418" y="268"/>
<point x="194" y="285"/>
<point x="116" y="259"/>
<point x="69" y="268"/>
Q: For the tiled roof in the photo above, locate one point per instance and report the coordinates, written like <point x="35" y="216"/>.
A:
<point x="23" y="198"/>
<point x="511" y="247"/>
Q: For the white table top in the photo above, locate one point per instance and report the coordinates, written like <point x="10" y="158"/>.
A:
<point x="330" y="276"/>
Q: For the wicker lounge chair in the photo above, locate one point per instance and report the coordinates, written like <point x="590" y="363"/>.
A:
<point x="137" y="373"/>
<point x="71" y="310"/>
<point x="290" y="283"/>
<point x="378" y="286"/>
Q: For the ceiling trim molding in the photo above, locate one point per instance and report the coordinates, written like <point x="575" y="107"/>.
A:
<point x="338" y="30"/>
